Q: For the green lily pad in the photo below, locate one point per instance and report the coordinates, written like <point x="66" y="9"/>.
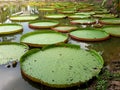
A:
<point x="84" y="21"/>
<point x="11" y="51"/>
<point x="10" y="28"/>
<point x="85" y="13"/>
<point x="43" y="24"/>
<point x="61" y="66"/>
<point x="24" y="18"/>
<point x="79" y="16"/>
<point x="46" y="9"/>
<point x="88" y="9"/>
<point x="67" y="12"/>
<point x="110" y="21"/>
<point x="104" y="16"/>
<point x="56" y="16"/>
<point x="89" y="35"/>
<point x="101" y="11"/>
<point x="64" y="29"/>
<point x="43" y="38"/>
<point x="113" y="30"/>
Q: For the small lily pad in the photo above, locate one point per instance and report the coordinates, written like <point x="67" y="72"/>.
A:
<point x="85" y="9"/>
<point x="24" y="18"/>
<point x="11" y="51"/>
<point x="89" y="35"/>
<point x="104" y="16"/>
<point x="84" y="21"/>
<point x="10" y="28"/>
<point x="64" y="29"/>
<point x="110" y="21"/>
<point x="43" y="24"/>
<point x="101" y="11"/>
<point x="43" y="38"/>
<point x="85" y="13"/>
<point x="61" y="66"/>
<point x="46" y="9"/>
<point x="113" y="30"/>
<point x="55" y="16"/>
<point x="67" y="12"/>
<point x="79" y="16"/>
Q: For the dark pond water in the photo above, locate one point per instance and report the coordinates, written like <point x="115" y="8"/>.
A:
<point x="11" y="78"/>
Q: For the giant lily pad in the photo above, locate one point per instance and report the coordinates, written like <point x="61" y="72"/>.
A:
<point x="46" y="9"/>
<point x="85" y="9"/>
<point x="113" y="30"/>
<point x="55" y="16"/>
<point x="101" y="11"/>
<point x="61" y="66"/>
<point x="43" y="38"/>
<point x="80" y="16"/>
<point x="67" y="11"/>
<point x="64" y="29"/>
<point x="104" y="16"/>
<point x="43" y="24"/>
<point x="83" y="21"/>
<point x="85" y="13"/>
<point x="110" y="21"/>
<point x="89" y="35"/>
<point x="11" y="51"/>
<point x="24" y="18"/>
<point x="10" y="28"/>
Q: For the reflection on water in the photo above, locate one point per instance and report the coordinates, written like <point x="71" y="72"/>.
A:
<point x="11" y="79"/>
<point x="10" y="38"/>
<point x="83" y="45"/>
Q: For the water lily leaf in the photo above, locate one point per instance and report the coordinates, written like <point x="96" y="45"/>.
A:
<point x="10" y="28"/>
<point x="89" y="35"/>
<point x="61" y="66"/>
<point x="43" y="38"/>
<point x="43" y="24"/>
<point x="24" y="18"/>
<point x="112" y="30"/>
<point x="11" y="51"/>
<point x="55" y="16"/>
<point x="84" y="21"/>
<point x="64" y="29"/>
<point x="110" y="21"/>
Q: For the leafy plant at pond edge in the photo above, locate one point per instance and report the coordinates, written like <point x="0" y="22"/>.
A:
<point x="103" y="80"/>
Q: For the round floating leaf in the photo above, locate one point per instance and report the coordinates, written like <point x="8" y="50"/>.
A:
<point x="11" y="51"/>
<point x="46" y="9"/>
<point x="56" y="16"/>
<point x="113" y="30"/>
<point x="104" y="16"/>
<point x="83" y="21"/>
<point x="67" y="12"/>
<point x="89" y="35"/>
<point x="10" y="28"/>
<point x="101" y="11"/>
<point x="85" y="13"/>
<point x="111" y="21"/>
<point x="64" y="29"/>
<point x="24" y="18"/>
<point x="43" y="38"/>
<point x="85" y="9"/>
<point x="79" y="16"/>
<point x="43" y="24"/>
<point x="61" y="66"/>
